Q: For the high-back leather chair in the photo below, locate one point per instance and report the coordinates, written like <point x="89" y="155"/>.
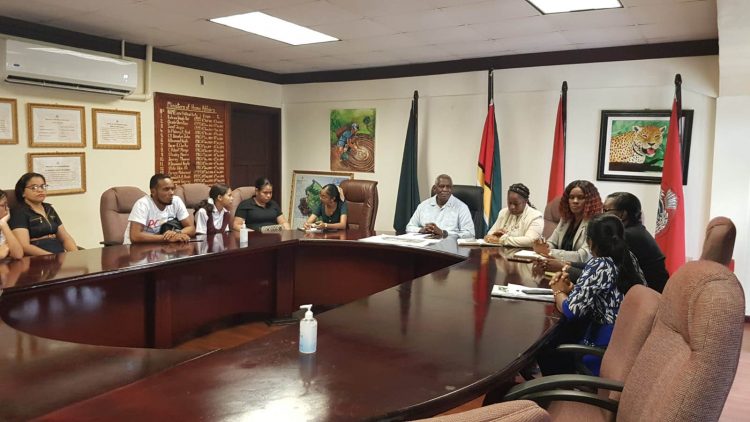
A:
<point x="192" y="194"/>
<point x="11" y="195"/>
<point x="115" y="205"/>
<point x="473" y="197"/>
<point x="361" y="202"/>
<point x="239" y="195"/>
<point x="551" y="217"/>
<point x="687" y="364"/>
<point x="718" y="246"/>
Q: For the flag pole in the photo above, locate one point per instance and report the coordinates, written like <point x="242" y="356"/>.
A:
<point x="565" y="108"/>
<point x="490" y="87"/>
<point x="416" y="114"/>
<point x="564" y="122"/>
<point x="678" y="98"/>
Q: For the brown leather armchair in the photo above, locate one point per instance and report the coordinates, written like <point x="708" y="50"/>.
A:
<point x="192" y="194"/>
<point x="718" y="246"/>
<point x="684" y="369"/>
<point x="551" y="217"/>
<point x="239" y="195"/>
<point x="114" y="208"/>
<point x="11" y="195"/>
<point x="361" y="202"/>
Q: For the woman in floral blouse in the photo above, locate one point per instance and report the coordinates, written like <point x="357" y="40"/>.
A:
<point x="591" y="305"/>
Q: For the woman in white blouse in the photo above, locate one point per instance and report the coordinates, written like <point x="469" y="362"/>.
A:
<point x="518" y="225"/>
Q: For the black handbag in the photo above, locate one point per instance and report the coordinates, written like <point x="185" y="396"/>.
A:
<point x="171" y="224"/>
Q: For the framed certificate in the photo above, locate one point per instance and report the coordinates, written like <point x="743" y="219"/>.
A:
<point x="65" y="172"/>
<point x="53" y="125"/>
<point x="116" y="129"/>
<point x="8" y="121"/>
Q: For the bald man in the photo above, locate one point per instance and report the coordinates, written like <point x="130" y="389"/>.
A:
<point x="443" y="214"/>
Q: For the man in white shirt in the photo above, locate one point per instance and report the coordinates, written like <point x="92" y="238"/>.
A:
<point x="151" y="212"/>
<point x="442" y="214"/>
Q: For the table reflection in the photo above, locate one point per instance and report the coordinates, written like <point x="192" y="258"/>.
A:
<point x="45" y="267"/>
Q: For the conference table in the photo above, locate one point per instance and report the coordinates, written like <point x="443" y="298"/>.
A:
<point x="409" y="332"/>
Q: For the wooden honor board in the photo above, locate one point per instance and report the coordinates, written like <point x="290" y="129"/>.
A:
<point x="192" y="139"/>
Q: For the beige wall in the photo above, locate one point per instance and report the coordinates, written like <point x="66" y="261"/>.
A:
<point x="452" y="110"/>
<point x="107" y="168"/>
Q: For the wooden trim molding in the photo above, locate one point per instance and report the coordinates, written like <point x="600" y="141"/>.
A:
<point x="39" y="32"/>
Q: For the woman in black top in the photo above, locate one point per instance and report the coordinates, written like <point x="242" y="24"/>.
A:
<point x="260" y="210"/>
<point x="330" y="212"/>
<point x="34" y="222"/>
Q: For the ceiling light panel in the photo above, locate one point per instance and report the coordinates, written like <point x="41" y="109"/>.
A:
<point x="274" y="28"/>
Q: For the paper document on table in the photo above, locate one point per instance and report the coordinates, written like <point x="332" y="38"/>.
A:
<point x="516" y="291"/>
<point x="527" y="254"/>
<point x="475" y="242"/>
<point x="418" y="240"/>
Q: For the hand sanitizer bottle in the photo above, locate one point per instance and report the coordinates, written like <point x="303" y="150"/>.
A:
<point x="243" y="235"/>
<point x="308" y="332"/>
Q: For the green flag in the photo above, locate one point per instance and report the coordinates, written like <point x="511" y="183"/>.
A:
<point x="408" y="186"/>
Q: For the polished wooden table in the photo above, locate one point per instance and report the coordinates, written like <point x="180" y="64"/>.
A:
<point x="86" y="335"/>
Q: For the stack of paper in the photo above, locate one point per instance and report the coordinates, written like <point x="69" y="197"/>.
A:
<point x="516" y="291"/>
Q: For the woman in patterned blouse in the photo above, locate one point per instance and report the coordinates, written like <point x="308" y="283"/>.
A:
<point x="591" y="305"/>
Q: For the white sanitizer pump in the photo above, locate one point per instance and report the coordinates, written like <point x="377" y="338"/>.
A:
<point x="243" y="235"/>
<point x="308" y="332"/>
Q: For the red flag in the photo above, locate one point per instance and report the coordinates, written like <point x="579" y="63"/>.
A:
<point x="557" y="168"/>
<point x="670" y="220"/>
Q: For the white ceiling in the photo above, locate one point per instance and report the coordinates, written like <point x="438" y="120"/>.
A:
<point x="372" y="32"/>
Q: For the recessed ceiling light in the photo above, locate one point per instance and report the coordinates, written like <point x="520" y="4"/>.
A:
<point x="562" y="6"/>
<point x="274" y="28"/>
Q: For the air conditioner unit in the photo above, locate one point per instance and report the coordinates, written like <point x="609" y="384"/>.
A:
<point x="45" y="65"/>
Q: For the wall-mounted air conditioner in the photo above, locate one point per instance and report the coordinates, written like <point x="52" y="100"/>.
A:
<point x="44" y="65"/>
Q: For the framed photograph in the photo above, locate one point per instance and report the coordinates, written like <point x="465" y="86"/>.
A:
<point x="53" y="125"/>
<point x="352" y="140"/>
<point x="65" y="172"/>
<point x="306" y="187"/>
<point x="632" y="144"/>
<point x="116" y="129"/>
<point x="8" y="121"/>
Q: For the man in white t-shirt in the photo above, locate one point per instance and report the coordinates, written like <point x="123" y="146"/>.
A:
<point x="151" y="212"/>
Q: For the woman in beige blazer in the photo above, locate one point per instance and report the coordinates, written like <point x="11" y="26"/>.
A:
<point x="579" y="203"/>
<point x="518" y="225"/>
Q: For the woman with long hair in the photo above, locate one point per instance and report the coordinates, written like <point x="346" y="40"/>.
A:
<point x="592" y="304"/>
<point x="331" y="213"/>
<point x="217" y="206"/>
<point x="579" y="203"/>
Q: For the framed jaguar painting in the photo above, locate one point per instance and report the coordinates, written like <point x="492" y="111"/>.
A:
<point x="632" y="144"/>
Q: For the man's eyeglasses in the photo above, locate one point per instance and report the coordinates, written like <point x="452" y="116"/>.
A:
<point x="610" y="209"/>
<point x="37" y="188"/>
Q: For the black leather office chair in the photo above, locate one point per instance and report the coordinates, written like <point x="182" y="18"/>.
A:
<point x="472" y="196"/>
